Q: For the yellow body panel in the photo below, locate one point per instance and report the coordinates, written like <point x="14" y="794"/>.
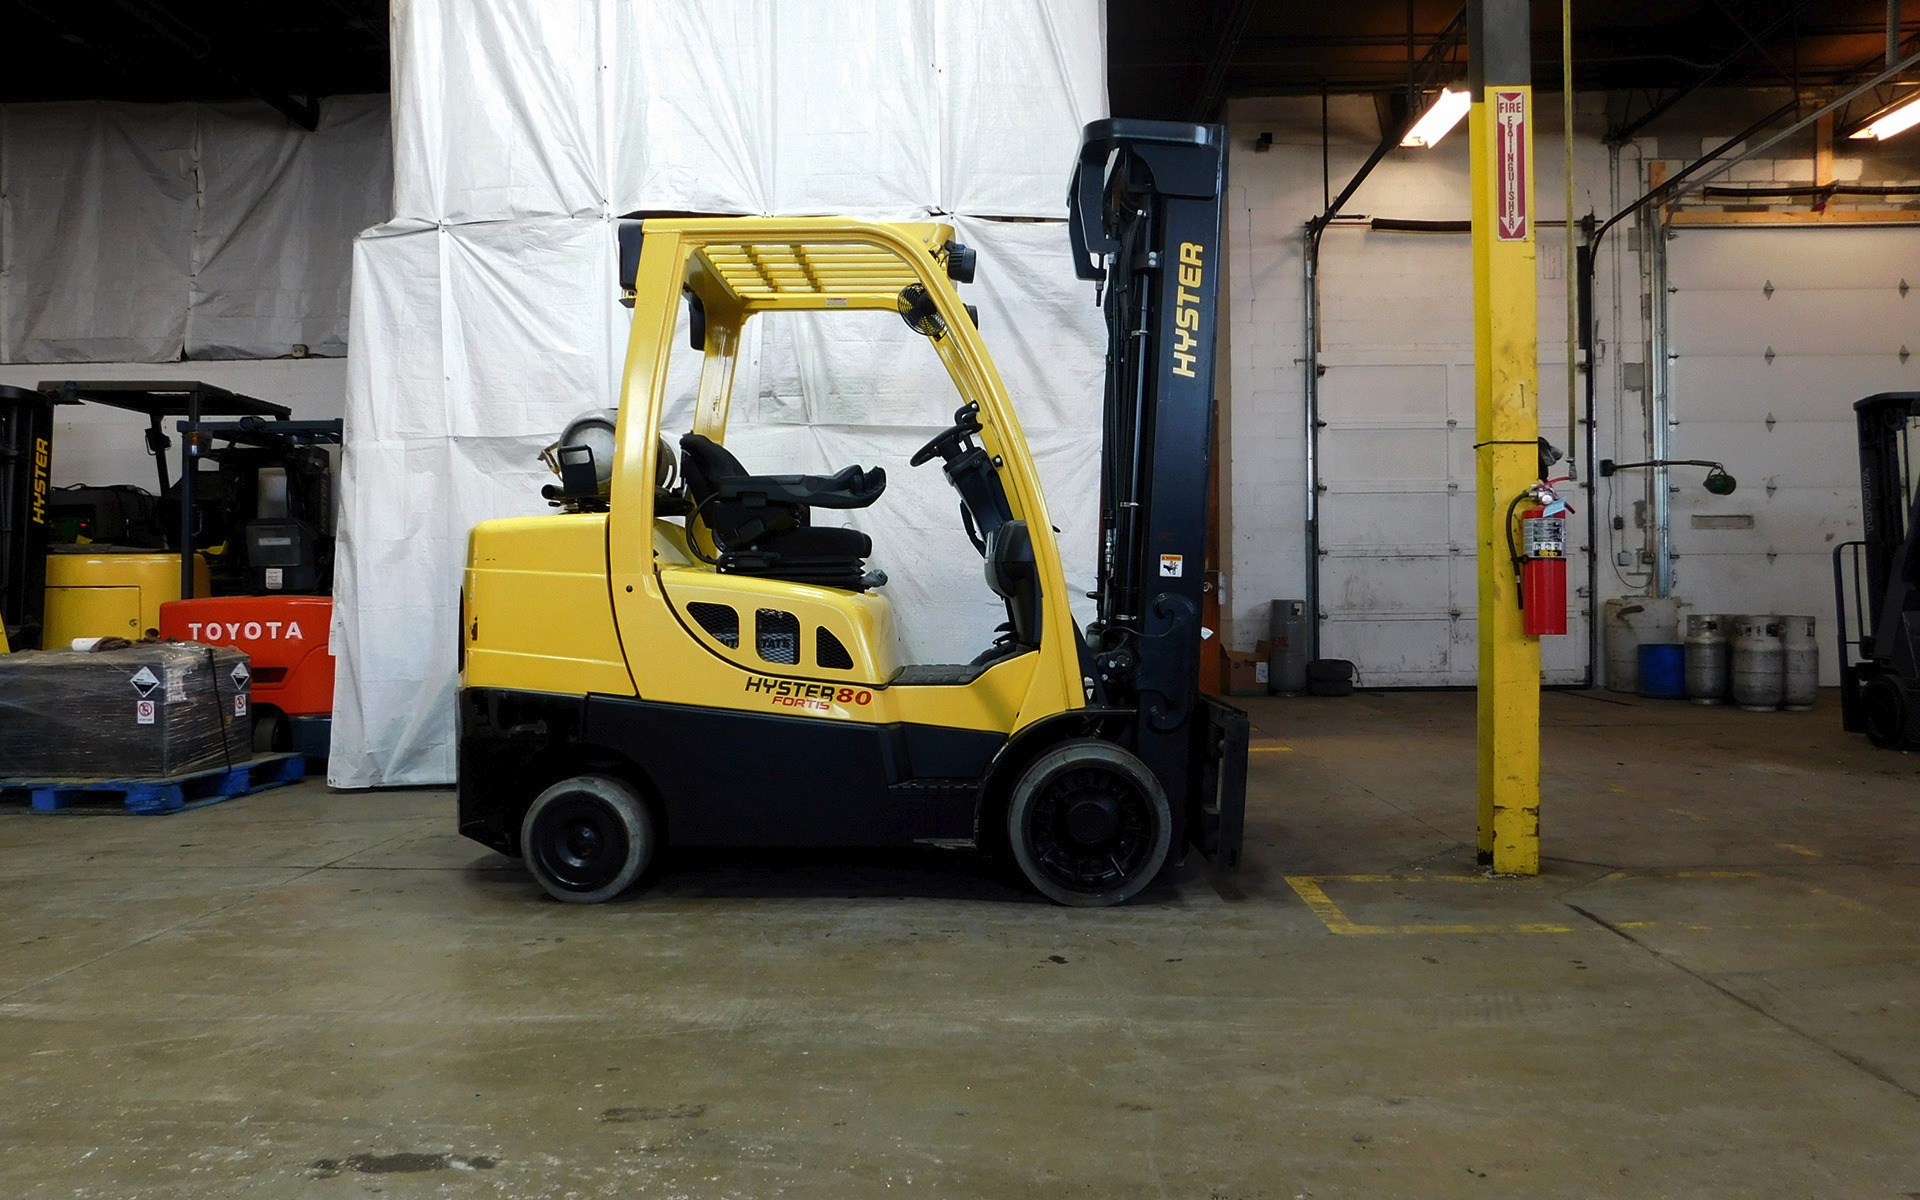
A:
<point x="739" y="267"/>
<point x="98" y="594"/>
<point x="535" y="612"/>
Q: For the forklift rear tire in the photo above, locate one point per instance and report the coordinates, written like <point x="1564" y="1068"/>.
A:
<point x="1089" y="824"/>
<point x="1884" y="709"/>
<point x="587" y="838"/>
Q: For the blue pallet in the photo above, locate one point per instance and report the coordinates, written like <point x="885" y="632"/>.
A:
<point x="165" y="794"/>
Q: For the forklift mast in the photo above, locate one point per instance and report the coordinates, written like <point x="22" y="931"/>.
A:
<point x="1880" y="659"/>
<point x="1144" y="215"/>
<point x="26" y="478"/>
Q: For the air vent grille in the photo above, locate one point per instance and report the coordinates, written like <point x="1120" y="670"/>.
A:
<point x="829" y="653"/>
<point x="720" y="621"/>
<point x="778" y="636"/>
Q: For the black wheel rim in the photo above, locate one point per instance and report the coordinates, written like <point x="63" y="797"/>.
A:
<point x="579" y="843"/>
<point x="1091" y="830"/>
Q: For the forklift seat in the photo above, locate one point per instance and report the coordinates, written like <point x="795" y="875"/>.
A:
<point x="761" y="524"/>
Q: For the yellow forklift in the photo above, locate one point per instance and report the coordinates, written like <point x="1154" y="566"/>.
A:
<point x="683" y="656"/>
<point x="98" y="561"/>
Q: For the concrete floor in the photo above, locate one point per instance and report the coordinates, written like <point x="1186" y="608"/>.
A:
<point x="1714" y="991"/>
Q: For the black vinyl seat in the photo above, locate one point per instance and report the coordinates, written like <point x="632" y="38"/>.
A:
<point x="761" y="524"/>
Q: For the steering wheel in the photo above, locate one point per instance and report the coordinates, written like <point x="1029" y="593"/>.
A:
<point x="946" y="443"/>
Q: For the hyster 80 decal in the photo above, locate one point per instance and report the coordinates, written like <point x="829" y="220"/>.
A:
<point x="812" y="697"/>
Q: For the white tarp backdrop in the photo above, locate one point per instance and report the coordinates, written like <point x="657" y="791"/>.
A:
<point x="148" y="233"/>
<point x="484" y="315"/>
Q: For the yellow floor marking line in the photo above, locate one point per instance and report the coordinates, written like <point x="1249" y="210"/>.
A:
<point x="1691" y="816"/>
<point x="1269" y="749"/>
<point x="1799" y="849"/>
<point x="1309" y="889"/>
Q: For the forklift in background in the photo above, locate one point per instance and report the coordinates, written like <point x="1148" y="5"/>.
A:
<point x="26" y="493"/>
<point x="682" y="655"/>
<point x="237" y="555"/>
<point x="267" y="506"/>
<point x="106" y="557"/>
<point x="1880" y="574"/>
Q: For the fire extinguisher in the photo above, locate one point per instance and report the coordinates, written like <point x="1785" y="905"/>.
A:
<point x="1541" y="560"/>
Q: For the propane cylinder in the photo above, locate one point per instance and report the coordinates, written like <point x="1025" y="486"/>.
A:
<point x="1707" y="658"/>
<point x="1287" y="647"/>
<point x="1800" y="679"/>
<point x="1759" y="672"/>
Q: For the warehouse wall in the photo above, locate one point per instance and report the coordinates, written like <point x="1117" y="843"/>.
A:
<point x="1396" y="392"/>
<point x="155" y="232"/>
<point x="99" y="445"/>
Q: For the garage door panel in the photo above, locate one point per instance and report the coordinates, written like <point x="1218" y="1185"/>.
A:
<point x="1809" y="387"/>
<point x="1791" y="454"/>
<point x="1384" y="453"/>
<point x="1387" y="585"/>
<point x="1747" y="259"/>
<point x="1840" y="321"/>
<point x="1363" y="522"/>
<point x="1563" y="659"/>
<point x="1417" y="653"/>
<point x="1792" y="520"/>
<point x="1391" y="394"/>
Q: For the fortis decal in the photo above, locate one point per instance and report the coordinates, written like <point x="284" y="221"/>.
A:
<point x="815" y="697"/>
<point x="1186" y="309"/>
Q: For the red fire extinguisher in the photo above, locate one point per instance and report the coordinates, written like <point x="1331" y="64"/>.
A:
<point x="1542" y="562"/>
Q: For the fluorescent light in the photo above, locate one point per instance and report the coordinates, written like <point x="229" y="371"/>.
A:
<point x="1447" y="109"/>
<point x="1898" y="119"/>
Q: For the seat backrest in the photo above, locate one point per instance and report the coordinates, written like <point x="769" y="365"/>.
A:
<point x="1012" y="575"/>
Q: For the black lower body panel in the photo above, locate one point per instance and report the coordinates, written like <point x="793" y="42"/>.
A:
<point x="724" y="778"/>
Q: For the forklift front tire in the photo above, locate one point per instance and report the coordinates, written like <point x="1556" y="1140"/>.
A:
<point x="1885" y="703"/>
<point x="1089" y="824"/>
<point x="587" y="838"/>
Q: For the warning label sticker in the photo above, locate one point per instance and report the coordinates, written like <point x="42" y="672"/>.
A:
<point x="1172" y="566"/>
<point x="240" y="705"/>
<point x="143" y="711"/>
<point x="144" y="681"/>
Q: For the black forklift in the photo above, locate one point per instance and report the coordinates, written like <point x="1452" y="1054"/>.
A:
<point x="1876" y="580"/>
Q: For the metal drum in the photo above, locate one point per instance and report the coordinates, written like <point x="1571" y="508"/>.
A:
<point x="1801" y="677"/>
<point x="1628" y="622"/>
<point x="1707" y="658"/>
<point x="1759" y="666"/>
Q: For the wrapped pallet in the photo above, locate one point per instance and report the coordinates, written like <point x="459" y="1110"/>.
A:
<point x="148" y="710"/>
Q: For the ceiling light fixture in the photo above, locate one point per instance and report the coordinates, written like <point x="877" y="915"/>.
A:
<point x="1444" y="113"/>
<point x="1896" y="119"/>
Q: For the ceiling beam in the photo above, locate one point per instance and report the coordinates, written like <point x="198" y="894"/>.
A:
<point x="1213" y="84"/>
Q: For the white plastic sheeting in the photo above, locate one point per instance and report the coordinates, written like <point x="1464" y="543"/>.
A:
<point x="142" y="233"/>
<point x="484" y="314"/>
<point x="510" y="108"/>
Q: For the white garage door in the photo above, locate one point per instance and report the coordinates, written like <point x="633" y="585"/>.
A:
<point x="1775" y="333"/>
<point x="1398" y="587"/>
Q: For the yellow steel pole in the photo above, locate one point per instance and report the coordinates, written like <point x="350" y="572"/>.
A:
<point x="1506" y="367"/>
